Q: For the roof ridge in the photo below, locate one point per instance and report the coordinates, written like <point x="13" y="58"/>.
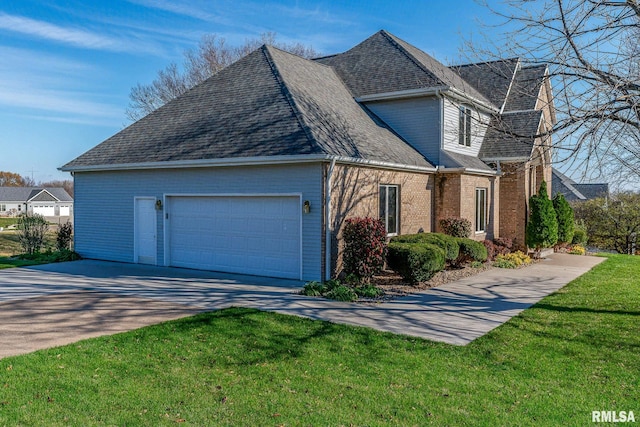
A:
<point x="472" y="64"/>
<point x="287" y="93"/>
<point x="390" y="37"/>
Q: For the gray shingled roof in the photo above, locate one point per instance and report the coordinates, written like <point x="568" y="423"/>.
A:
<point x="511" y="135"/>
<point x="23" y="194"/>
<point x="573" y="191"/>
<point x="270" y="103"/>
<point x="526" y="88"/>
<point x="492" y="79"/>
<point x="384" y="63"/>
<point x="450" y="159"/>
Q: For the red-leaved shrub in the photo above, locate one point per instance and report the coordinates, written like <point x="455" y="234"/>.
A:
<point x="365" y="247"/>
<point x="491" y="249"/>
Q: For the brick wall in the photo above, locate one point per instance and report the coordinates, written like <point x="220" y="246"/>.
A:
<point x="355" y="193"/>
<point x="456" y="197"/>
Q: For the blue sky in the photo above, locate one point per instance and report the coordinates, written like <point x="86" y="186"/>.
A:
<point x="67" y="67"/>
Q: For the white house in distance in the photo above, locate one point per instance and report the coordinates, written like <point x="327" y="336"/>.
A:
<point x="48" y="202"/>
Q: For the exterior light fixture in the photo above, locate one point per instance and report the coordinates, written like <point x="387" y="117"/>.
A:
<point x="159" y="204"/>
<point x="306" y="207"/>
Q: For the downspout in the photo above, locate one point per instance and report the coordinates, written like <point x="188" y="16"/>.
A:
<point x="327" y="237"/>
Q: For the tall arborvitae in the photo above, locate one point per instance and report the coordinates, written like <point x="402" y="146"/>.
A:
<point x="565" y="217"/>
<point x="542" y="228"/>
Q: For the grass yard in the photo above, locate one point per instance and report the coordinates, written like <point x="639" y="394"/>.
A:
<point x="575" y="352"/>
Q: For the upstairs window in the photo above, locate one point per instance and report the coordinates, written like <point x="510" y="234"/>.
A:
<point x="389" y="208"/>
<point x="464" y="126"/>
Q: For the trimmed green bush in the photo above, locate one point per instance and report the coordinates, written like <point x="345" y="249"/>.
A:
<point x="32" y="229"/>
<point x="542" y="227"/>
<point x="415" y="262"/>
<point x="64" y="236"/>
<point x="566" y="220"/>
<point x="447" y="243"/>
<point x="471" y="250"/>
<point x="580" y="236"/>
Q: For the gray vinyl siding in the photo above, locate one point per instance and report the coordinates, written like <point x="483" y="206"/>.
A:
<point x="104" y="204"/>
<point x="417" y="120"/>
<point x="479" y="125"/>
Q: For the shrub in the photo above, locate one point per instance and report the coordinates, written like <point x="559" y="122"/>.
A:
<point x="503" y="245"/>
<point x="416" y="262"/>
<point x="312" y="289"/>
<point x="365" y="241"/>
<point x="32" y="229"/>
<point x="577" y="250"/>
<point x="512" y="260"/>
<point x="368" y="291"/>
<point x="565" y="217"/>
<point x="542" y="227"/>
<point x="491" y="249"/>
<point x="471" y="250"/>
<point x="456" y="227"/>
<point x="64" y="236"/>
<point x="341" y="293"/>
<point x="580" y="236"/>
<point x="447" y="243"/>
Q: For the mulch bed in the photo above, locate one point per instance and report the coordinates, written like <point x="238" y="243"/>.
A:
<point x="394" y="286"/>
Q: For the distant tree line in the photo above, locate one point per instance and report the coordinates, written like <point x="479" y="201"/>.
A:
<point x="12" y="179"/>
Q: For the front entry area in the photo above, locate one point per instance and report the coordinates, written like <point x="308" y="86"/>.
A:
<point x="258" y="235"/>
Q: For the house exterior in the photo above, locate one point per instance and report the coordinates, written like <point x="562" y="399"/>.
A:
<point x="255" y="170"/>
<point x="574" y="192"/>
<point x="49" y="202"/>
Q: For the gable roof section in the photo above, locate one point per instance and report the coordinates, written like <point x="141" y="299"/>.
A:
<point x="573" y="191"/>
<point x="450" y="159"/>
<point x="526" y="88"/>
<point x="493" y="79"/>
<point x="384" y="63"/>
<point x="270" y="103"/>
<point x="511" y="136"/>
<point x="29" y="194"/>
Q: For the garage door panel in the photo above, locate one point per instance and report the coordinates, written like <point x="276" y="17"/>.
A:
<point x="252" y="235"/>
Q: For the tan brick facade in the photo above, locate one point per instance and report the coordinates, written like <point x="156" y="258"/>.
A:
<point x="455" y="196"/>
<point x="355" y="193"/>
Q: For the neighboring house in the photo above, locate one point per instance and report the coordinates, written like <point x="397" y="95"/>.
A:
<point x="49" y="202"/>
<point x="573" y="191"/>
<point x="255" y="170"/>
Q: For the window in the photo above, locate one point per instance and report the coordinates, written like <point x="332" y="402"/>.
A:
<point x="3" y="208"/>
<point x="464" y="126"/>
<point x="481" y="210"/>
<point x="389" y="207"/>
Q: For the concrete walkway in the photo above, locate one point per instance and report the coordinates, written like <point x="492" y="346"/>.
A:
<point x="57" y="304"/>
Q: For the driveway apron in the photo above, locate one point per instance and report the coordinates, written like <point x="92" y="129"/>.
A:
<point x="57" y="304"/>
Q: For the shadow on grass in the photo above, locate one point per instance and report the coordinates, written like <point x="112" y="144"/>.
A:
<point x="584" y="310"/>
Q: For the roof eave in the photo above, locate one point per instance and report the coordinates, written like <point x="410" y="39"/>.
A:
<point x="409" y="93"/>
<point x="246" y="161"/>
<point x="472" y="171"/>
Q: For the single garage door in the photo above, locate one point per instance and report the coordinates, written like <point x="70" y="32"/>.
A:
<point x="257" y="235"/>
<point x="44" y="210"/>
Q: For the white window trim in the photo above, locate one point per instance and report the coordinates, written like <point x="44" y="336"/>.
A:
<point x="464" y="125"/>
<point x="485" y="208"/>
<point x="386" y="218"/>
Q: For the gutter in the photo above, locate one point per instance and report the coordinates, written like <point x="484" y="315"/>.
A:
<point x="442" y="169"/>
<point x="248" y="161"/>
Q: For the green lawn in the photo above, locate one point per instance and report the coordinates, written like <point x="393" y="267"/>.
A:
<point x="576" y="351"/>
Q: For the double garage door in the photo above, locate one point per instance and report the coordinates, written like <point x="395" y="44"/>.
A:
<point x="257" y="235"/>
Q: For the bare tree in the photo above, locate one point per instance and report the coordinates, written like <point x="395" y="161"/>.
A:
<point x="212" y="55"/>
<point x="591" y="47"/>
<point x="67" y="184"/>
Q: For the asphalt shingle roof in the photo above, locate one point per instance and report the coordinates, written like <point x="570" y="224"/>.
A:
<point x="384" y="63"/>
<point x="492" y="79"/>
<point x="23" y="194"/>
<point x="511" y="135"/>
<point x="450" y="159"/>
<point x="270" y="103"/>
<point x="526" y="88"/>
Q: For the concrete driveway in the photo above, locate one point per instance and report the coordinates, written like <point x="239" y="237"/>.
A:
<point x="57" y="304"/>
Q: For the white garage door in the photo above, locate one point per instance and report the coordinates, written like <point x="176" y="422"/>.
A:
<point x="249" y="235"/>
<point x="65" y="211"/>
<point x="44" y="210"/>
